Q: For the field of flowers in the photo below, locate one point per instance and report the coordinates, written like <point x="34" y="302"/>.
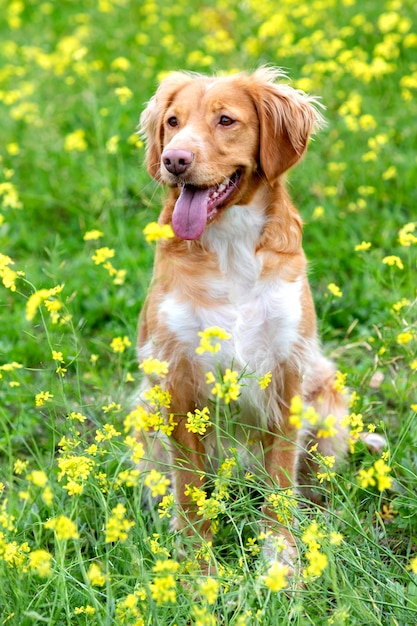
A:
<point x="81" y="540"/>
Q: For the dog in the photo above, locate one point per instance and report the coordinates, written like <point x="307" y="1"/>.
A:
<point x="222" y="146"/>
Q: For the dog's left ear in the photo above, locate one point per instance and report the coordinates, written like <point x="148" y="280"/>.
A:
<point x="287" y="117"/>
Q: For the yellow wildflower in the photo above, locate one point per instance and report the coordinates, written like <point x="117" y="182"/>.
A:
<point x="96" y="575"/>
<point x="334" y="290"/>
<point x="276" y="577"/>
<point x="38" y="478"/>
<point x="393" y="260"/>
<point x="317" y="563"/>
<point x="75" y="141"/>
<point x="265" y="380"/>
<point x="124" y="94"/>
<point x="199" y="421"/>
<point x="19" y="466"/>
<point x="91" y="235"/>
<point x="40" y="562"/>
<point x="406" y="236"/>
<point x="106" y="433"/>
<point x="360" y="247"/>
<point x="157" y="483"/>
<point x="405" y="337"/>
<point x="42" y="397"/>
<point x="412" y="566"/>
<point x="39" y="297"/>
<point x="208" y="339"/>
<point x="117" y="526"/>
<point x="208" y="589"/>
<point x="155" y="232"/>
<point x="229" y="388"/>
<point x="101" y="255"/>
<point x="154" y="366"/>
<point x="119" y="344"/>
<point x="63" y="526"/>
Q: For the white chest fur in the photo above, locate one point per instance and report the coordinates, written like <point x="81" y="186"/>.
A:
<point x="261" y="315"/>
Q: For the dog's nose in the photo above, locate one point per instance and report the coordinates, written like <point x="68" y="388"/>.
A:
<point x="177" y="161"/>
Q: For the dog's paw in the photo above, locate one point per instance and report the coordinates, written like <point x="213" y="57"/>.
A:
<point x="374" y="442"/>
<point x="276" y="548"/>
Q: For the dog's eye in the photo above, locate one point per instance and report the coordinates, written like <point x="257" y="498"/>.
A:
<point x="225" y="120"/>
<point x="172" y="121"/>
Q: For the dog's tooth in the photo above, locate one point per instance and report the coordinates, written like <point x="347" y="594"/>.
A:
<point x="214" y="194"/>
<point x="222" y="187"/>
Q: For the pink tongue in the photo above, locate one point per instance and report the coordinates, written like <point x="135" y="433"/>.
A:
<point x="190" y="212"/>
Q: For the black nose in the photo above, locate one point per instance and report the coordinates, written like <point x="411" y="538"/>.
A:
<point x="177" y="161"/>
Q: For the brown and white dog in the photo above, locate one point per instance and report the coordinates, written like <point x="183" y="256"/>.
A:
<point x="222" y="146"/>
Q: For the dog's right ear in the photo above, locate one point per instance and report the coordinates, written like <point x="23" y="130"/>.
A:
<point x="151" y="121"/>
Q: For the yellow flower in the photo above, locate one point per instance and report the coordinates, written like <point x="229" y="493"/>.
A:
<point x="19" y="466"/>
<point x="283" y="504"/>
<point x="393" y="260"/>
<point x="340" y="382"/>
<point x="119" y="344"/>
<point x="38" y="478"/>
<point x="106" y="433"/>
<point x="166" y="503"/>
<point x="102" y="255"/>
<point x="199" y="421"/>
<point x="318" y="212"/>
<point x="276" y="577"/>
<point x="406" y="236"/>
<point x="42" y="397"/>
<point x="334" y="290"/>
<point x="157" y="483"/>
<point x="120" y="63"/>
<point x="376" y="475"/>
<point x="208" y="589"/>
<point x="208" y="339"/>
<point x="74" y="415"/>
<point x="40" y="562"/>
<point x="158" y="397"/>
<point x="63" y="526"/>
<point x="412" y="566"/>
<point x="84" y="610"/>
<point x="91" y="235"/>
<point x="96" y="576"/>
<point x="405" y="337"/>
<point x="124" y="94"/>
<point x="365" y="245"/>
<point x="317" y="563"/>
<point x="38" y="297"/>
<point x="112" y="144"/>
<point x="75" y="141"/>
<point x="155" y="232"/>
<point x="202" y="617"/>
<point x="265" y="380"/>
<point x="47" y="496"/>
<point x="366" y="478"/>
<point x="117" y="527"/>
<point x="154" y="366"/>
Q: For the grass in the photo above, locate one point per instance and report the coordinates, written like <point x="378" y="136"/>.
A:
<point x="77" y="544"/>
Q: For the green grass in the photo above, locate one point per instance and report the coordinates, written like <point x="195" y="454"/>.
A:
<point x="61" y="66"/>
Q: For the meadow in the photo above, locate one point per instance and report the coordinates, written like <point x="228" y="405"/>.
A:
<point x="82" y="541"/>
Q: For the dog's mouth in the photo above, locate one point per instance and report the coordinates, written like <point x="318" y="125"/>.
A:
<point x="198" y="205"/>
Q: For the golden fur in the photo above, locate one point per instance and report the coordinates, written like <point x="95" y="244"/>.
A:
<point x="246" y="271"/>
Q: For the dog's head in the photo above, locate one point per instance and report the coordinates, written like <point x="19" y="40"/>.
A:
<point x="218" y="138"/>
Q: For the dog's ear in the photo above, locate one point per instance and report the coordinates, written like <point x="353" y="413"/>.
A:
<point x="287" y="117"/>
<point x="151" y="120"/>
